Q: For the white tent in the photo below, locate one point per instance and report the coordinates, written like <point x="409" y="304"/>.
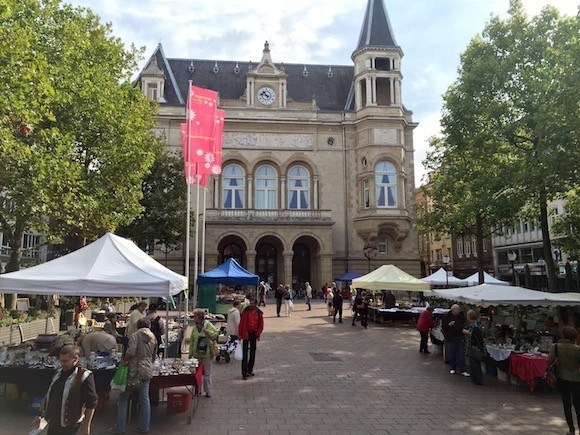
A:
<point x="110" y="266"/>
<point x="438" y="278"/>
<point x="389" y="277"/>
<point x="486" y="295"/>
<point x="487" y="279"/>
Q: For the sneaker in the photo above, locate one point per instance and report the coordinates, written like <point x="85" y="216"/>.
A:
<point x="452" y="372"/>
<point x="465" y="374"/>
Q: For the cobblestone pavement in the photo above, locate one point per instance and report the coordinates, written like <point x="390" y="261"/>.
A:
<point x="374" y="381"/>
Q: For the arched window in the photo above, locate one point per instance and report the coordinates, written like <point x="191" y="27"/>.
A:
<point x="233" y="187"/>
<point x="386" y="184"/>
<point x="266" y="188"/>
<point x="298" y="188"/>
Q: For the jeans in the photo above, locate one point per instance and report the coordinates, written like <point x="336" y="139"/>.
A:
<point x="287" y="307"/>
<point x="55" y="428"/>
<point x="278" y="306"/>
<point x="308" y="303"/>
<point x="475" y="371"/>
<point x="455" y="353"/>
<point x="248" y="363"/>
<point x="144" y="408"/>
<point x="423" y="347"/>
<point x="570" y="392"/>
<point x="207" y="383"/>
<point x="339" y="312"/>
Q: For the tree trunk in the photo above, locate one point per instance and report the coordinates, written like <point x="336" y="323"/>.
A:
<point x="479" y="243"/>
<point x="547" y="244"/>
<point x="15" y="240"/>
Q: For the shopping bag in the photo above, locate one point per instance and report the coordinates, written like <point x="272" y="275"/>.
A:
<point x="291" y="306"/>
<point x="119" y="381"/>
<point x="551" y="376"/>
<point x="238" y="354"/>
<point x="213" y="349"/>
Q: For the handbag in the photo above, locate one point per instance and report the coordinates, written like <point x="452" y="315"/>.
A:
<point x="239" y="352"/>
<point x="551" y="376"/>
<point x="475" y="354"/>
<point x="202" y="344"/>
<point x="133" y="384"/>
<point x="213" y="349"/>
<point x="291" y="305"/>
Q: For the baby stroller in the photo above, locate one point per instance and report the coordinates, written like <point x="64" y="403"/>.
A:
<point x="227" y="349"/>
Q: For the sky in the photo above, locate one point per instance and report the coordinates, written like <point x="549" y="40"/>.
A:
<point x="432" y="34"/>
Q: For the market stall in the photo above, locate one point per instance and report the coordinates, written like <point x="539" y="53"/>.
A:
<point x="390" y="277"/>
<point x="487" y="279"/>
<point x="442" y="278"/>
<point x="346" y="278"/>
<point x="229" y="273"/>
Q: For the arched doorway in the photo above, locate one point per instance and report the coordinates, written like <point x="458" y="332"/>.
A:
<point x="304" y="261"/>
<point x="232" y="247"/>
<point x="269" y="262"/>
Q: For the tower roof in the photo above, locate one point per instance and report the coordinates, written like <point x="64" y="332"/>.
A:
<point x="376" y="29"/>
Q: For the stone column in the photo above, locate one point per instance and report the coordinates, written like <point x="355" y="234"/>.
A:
<point x="398" y="95"/>
<point x="288" y="267"/>
<point x="315" y="205"/>
<point x="374" y="91"/>
<point x="392" y="90"/>
<point x="250" y="204"/>
<point x="283" y="205"/>
<point x="357" y="95"/>
<point x="369" y="91"/>
<point x="251" y="261"/>
<point x="326" y="268"/>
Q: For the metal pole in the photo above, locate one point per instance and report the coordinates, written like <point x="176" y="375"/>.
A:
<point x="203" y="230"/>
<point x="196" y="257"/>
<point x="188" y="214"/>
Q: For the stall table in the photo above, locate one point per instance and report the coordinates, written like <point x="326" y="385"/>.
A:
<point x="528" y="367"/>
<point x="499" y="357"/>
<point x="408" y="315"/>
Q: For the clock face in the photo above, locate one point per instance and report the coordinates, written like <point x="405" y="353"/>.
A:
<point x="266" y="95"/>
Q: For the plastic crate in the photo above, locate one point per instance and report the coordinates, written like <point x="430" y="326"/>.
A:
<point x="34" y="407"/>
<point x="177" y="402"/>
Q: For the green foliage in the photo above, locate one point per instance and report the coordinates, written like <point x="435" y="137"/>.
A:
<point x="163" y="219"/>
<point x="568" y="226"/>
<point x="75" y="135"/>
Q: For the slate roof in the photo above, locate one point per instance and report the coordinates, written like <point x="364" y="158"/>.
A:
<point x="331" y="93"/>
<point x="377" y="28"/>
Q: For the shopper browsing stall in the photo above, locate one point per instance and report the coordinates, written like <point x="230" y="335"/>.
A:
<point x="233" y="320"/>
<point x="203" y="331"/>
<point x="475" y="347"/>
<point x="424" y="324"/>
<point x="136" y="314"/>
<point x="453" y="325"/>
<point x="251" y="327"/>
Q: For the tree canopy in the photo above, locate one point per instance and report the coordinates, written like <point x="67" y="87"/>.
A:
<point x="76" y="137"/>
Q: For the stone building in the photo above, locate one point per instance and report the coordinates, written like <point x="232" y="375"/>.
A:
<point x="317" y="159"/>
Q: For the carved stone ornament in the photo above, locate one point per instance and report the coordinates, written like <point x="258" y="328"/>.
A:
<point x="267" y="140"/>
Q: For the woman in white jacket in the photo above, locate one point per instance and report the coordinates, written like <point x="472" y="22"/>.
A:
<point x="233" y="321"/>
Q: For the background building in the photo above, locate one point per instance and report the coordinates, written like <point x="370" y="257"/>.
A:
<point x="317" y="162"/>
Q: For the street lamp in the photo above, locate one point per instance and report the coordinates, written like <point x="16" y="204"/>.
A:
<point x="542" y="264"/>
<point x="370" y="252"/>
<point x="512" y="259"/>
<point x="446" y="261"/>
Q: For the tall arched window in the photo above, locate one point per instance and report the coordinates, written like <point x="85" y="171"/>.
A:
<point x="386" y="184"/>
<point x="233" y="187"/>
<point x="266" y="188"/>
<point x="298" y="188"/>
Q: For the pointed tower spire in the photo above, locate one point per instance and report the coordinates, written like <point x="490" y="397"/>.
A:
<point x="376" y="29"/>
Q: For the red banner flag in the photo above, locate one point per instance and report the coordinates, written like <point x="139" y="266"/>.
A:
<point x="212" y="164"/>
<point x="190" y="169"/>
<point x="200" y="121"/>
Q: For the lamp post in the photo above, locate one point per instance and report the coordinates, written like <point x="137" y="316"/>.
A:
<point x="542" y="264"/>
<point x="446" y="261"/>
<point x="512" y="259"/>
<point x="370" y="252"/>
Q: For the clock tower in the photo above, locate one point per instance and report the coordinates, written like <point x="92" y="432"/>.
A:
<point x="266" y="85"/>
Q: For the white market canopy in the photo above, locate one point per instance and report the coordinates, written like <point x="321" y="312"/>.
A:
<point x="389" y="277"/>
<point x="439" y="278"/>
<point x="487" y="279"/>
<point x="486" y="295"/>
<point x="110" y="266"/>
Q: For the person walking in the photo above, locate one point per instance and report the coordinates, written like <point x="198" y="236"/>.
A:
<point x="71" y="399"/>
<point x="474" y="338"/>
<point x="287" y="300"/>
<point x="337" y="302"/>
<point x="358" y="300"/>
<point x="262" y="293"/>
<point x="567" y="352"/>
<point x="325" y="290"/>
<point x="199" y="347"/>
<point x="251" y="327"/>
<point x="329" y="298"/>
<point x="279" y="295"/>
<point x="363" y="310"/>
<point x="424" y="325"/>
<point x="308" y="296"/>
<point x="233" y="324"/>
<point x="453" y="325"/>
<point x="140" y="356"/>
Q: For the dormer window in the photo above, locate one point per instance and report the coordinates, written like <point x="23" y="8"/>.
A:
<point x="152" y="91"/>
<point x="304" y="72"/>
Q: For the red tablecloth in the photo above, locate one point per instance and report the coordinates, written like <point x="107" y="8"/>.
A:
<point x="194" y="379"/>
<point x="527" y="367"/>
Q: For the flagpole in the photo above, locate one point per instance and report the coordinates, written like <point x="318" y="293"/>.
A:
<point x="188" y="214"/>
<point x="196" y="257"/>
<point x="203" y="227"/>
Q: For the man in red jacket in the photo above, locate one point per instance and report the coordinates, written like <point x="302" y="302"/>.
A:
<point x="424" y="324"/>
<point x="249" y="330"/>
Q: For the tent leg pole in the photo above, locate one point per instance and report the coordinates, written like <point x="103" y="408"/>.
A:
<point x="167" y="327"/>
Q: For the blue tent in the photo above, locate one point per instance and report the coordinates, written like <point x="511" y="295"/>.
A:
<point x="229" y="272"/>
<point x="348" y="276"/>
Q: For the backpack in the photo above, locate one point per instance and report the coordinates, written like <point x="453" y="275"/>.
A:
<point x="156" y="328"/>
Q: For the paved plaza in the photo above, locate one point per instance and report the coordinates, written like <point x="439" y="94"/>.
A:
<point x="313" y="376"/>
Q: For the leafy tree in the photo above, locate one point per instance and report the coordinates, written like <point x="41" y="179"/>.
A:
<point x="517" y="95"/>
<point x="163" y="219"/>
<point x="568" y="226"/>
<point x="75" y="135"/>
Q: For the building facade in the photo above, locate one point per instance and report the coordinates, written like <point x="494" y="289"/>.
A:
<point x="317" y="159"/>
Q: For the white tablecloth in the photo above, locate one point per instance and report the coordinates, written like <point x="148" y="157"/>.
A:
<point x="498" y="353"/>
